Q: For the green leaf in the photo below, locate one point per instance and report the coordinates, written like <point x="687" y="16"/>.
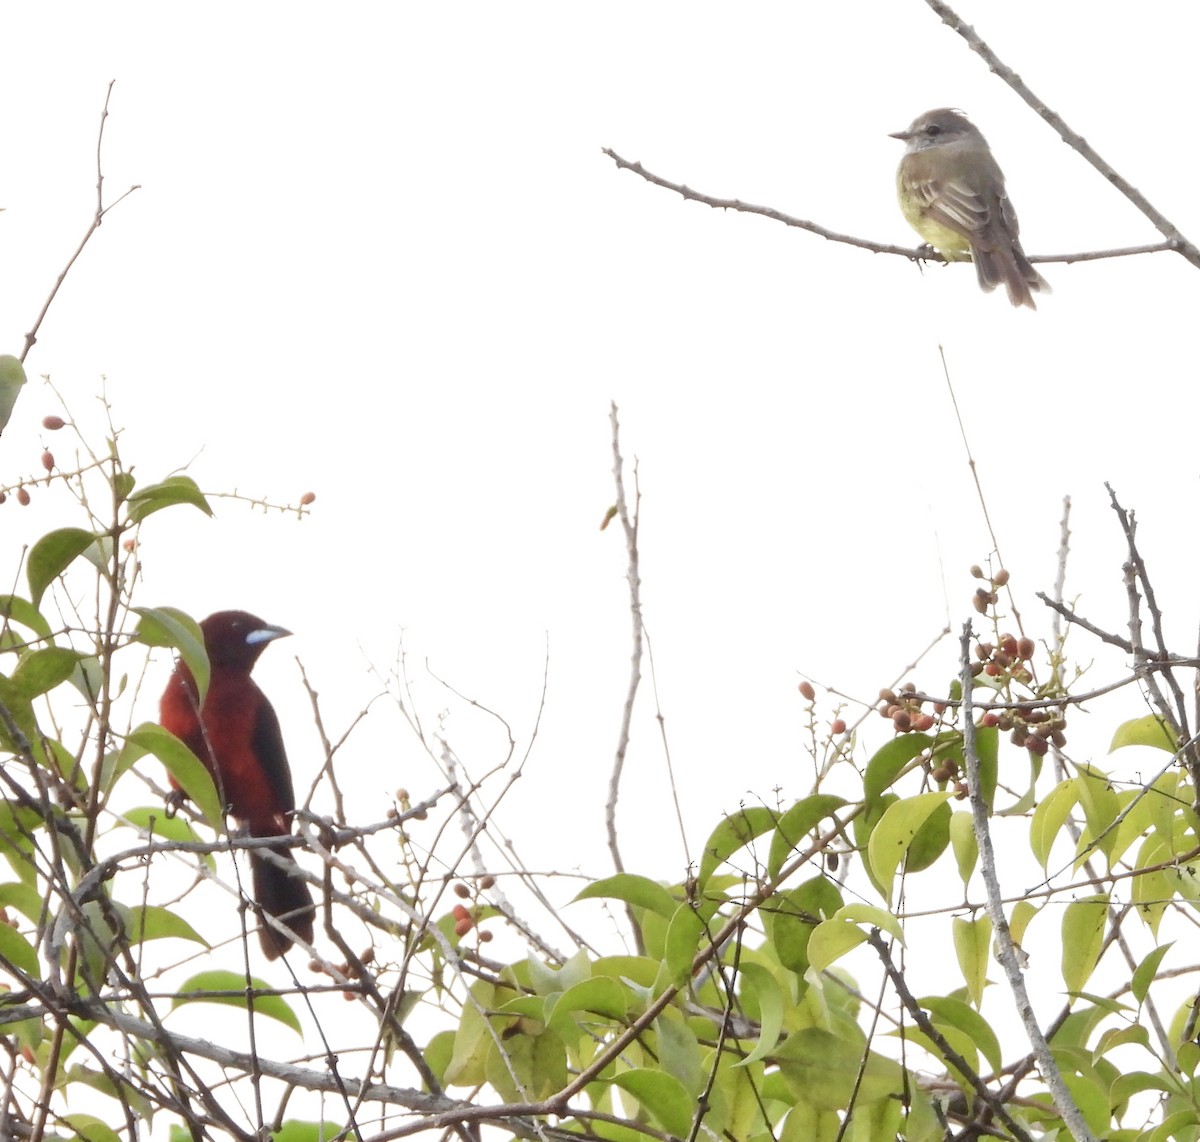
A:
<point x="895" y="833"/>
<point x="24" y="613"/>
<point x="946" y="1011"/>
<point x="823" y="1068"/>
<point x="472" y="1039"/>
<point x="1023" y="912"/>
<point x="875" y="917"/>
<point x="1145" y="972"/>
<point x="183" y="765"/>
<point x="24" y="898"/>
<point x="548" y="980"/>
<point x="12" y="379"/>
<point x="987" y="752"/>
<point x="152" y="821"/>
<point x="792" y="917"/>
<point x="808" y="1123"/>
<point x="795" y="825"/>
<point x="636" y="890"/>
<point x="122" y="484"/>
<point x="293" y="1131"/>
<point x="17" y="824"/>
<point x="229" y="989"/>
<point x="684" y="934"/>
<point x="1130" y="1084"/>
<point x="639" y="970"/>
<point x="972" y="941"/>
<point x="733" y="833"/>
<point x="965" y="845"/>
<point x="931" y="840"/>
<point x="40" y="671"/>
<point x="1172" y="1128"/>
<point x="528" y="1064"/>
<point x="842" y="933"/>
<point x="1150" y="730"/>
<point x="173" y="490"/>
<point x="662" y="1096"/>
<point x="768" y="1003"/>
<point x="864" y="824"/>
<point x="597" y="996"/>
<point x="150" y="922"/>
<point x="1100" y="808"/>
<point x="1049" y="818"/>
<point x="17" y="951"/>
<point x="1151" y="892"/>
<point x="1082" y="939"/>
<point x="88" y="1128"/>
<point x="52" y="555"/>
<point x="166" y="626"/>
<point x="889" y="761"/>
<point x="831" y="940"/>
<point x="679" y="1051"/>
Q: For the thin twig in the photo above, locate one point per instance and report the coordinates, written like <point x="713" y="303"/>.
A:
<point x="1005" y="951"/>
<point x="97" y="219"/>
<point x="1175" y="239"/>
<point x="913" y="254"/>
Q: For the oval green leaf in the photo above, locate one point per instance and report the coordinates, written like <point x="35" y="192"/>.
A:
<point x="1150" y="730"/>
<point x="52" y="555"/>
<point x="173" y="490"/>
<point x="1082" y="939"/>
<point x="732" y="834"/>
<point x="895" y="833"/>
<point x="229" y="989"/>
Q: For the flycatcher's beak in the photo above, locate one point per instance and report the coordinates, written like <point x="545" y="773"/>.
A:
<point x="903" y="136"/>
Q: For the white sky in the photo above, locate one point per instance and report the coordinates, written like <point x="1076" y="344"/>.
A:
<point x="380" y="255"/>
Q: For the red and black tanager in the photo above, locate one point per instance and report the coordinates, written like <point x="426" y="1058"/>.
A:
<point x="236" y="734"/>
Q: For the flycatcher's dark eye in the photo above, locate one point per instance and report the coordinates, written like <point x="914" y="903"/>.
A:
<point x="933" y="129"/>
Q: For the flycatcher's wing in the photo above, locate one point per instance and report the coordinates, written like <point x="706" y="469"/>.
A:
<point x="955" y="205"/>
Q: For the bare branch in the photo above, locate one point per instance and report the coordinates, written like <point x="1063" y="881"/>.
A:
<point x="1175" y="240"/>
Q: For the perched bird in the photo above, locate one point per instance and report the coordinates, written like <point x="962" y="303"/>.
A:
<point x="236" y="734"/>
<point x="952" y="194"/>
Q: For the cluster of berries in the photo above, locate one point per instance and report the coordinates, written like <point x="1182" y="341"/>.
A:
<point x="904" y="711"/>
<point x="464" y="918"/>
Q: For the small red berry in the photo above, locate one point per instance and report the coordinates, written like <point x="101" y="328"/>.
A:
<point x="463" y="927"/>
<point x="23" y="497"/>
<point x="462" y="891"/>
<point x="52" y="423"/>
<point x="838" y="726"/>
<point x="48" y="460"/>
<point x="307" y="499"/>
<point x="807" y="692"/>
